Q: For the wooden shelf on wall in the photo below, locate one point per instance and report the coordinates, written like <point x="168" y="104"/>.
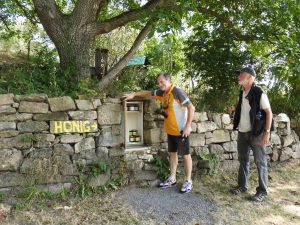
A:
<point x="133" y="121"/>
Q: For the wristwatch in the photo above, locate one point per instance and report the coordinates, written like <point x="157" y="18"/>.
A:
<point x="267" y="130"/>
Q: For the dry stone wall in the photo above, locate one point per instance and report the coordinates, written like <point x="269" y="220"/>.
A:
<point x="212" y="133"/>
<point x="35" y="147"/>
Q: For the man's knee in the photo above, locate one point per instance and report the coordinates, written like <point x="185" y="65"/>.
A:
<point x="244" y="159"/>
<point x="172" y="154"/>
<point x="262" y="163"/>
<point x="187" y="157"/>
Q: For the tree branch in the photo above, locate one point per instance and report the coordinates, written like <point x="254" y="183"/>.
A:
<point x="3" y="19"/>
<point x="51" y="18"/>
<point x="102" y="4"/>
<point x="31" y="17"/>
<point x="47" y="11"/>
<point x="132" y="15"/>
<point x="113" y="72"/>
<point x="212" y="13"/>
<point x="129" y="16"/>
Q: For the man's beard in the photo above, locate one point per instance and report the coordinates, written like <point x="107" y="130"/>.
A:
<point x="243" y="82"/>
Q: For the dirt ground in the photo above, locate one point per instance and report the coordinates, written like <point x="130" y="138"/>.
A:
<point x="208" y="203"/>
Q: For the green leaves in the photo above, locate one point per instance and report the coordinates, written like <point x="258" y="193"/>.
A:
<point x="262" y="33"/>
<point x="162" y="164"/>
<point x="212" y="158"/>
<point x="2" y="196"/>
<point x="103" y="167"/>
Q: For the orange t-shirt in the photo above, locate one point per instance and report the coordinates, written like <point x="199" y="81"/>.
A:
<point x="174" y="103"/>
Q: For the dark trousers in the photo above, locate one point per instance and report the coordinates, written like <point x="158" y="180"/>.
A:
<point x="247" y="142"/>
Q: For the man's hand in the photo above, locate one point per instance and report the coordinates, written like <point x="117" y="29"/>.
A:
<point x="186" y="132"/>
<point x="231" y="111"/>
<point x="129" y="96"/>
<point x="265" y="138"/>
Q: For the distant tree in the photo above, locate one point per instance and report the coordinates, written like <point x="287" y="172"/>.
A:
<point x="163" y="53"/>
<point x="262" y="33"/>
<point x="212" y="59"/>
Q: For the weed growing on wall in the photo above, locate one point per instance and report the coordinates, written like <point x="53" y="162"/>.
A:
<point x="162" y="164"/>
<point x="103" y="167"/>
<point x="113" y="184"/>
<point x="2" y="196"/>
<point x="64" y="193"/>
<point x="81" y="186"/>
<point x="212" y="158"/>
<point x="32" y="196"/>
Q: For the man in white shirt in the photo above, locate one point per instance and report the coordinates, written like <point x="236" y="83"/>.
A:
<point x="253" y="119"/>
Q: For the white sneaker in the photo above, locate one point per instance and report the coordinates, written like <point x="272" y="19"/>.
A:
<point x="167" y="183"/>
<point x="186" y="187"/>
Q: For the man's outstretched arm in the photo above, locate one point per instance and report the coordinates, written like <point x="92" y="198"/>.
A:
<point x="136" y="94"/>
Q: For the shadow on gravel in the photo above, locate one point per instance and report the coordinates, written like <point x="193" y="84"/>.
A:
<point x="168" y="206"/>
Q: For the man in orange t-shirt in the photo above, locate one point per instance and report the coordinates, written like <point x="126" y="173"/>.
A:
<point x="178" y="112"/>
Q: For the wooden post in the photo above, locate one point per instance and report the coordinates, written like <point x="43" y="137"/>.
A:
<point x="101" y="58"/>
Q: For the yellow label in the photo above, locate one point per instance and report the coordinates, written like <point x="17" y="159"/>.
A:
<point x="57" y="127"/>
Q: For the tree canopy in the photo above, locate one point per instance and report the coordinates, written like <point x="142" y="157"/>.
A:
<point x="262" y="33"/>
<point x="222" y="36"/>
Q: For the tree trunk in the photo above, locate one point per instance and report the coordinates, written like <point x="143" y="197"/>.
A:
<point x="74" y="59"/>
<point x="28" y="48"/>
<point x="72" y="34"/>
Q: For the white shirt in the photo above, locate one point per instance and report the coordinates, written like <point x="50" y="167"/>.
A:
<point x="245" y="125"/>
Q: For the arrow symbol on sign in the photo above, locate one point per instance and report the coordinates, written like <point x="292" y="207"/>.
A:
<point x="94" y="126"/>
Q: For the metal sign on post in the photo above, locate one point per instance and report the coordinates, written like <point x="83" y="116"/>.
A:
<point x="57" y="127"/>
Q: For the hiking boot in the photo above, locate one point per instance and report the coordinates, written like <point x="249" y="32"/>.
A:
<point x="258" y="197"/>
<point x="167" y="183"/>
<point x="186" y="187"/>
<point x="238" y="190"/>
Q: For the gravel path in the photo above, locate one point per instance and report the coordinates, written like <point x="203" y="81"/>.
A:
<point x="169" y="206"/>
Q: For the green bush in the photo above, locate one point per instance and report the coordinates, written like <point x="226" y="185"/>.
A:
<point x="288" y="103"/>
<point x="162" y="164"/>
<point x="42" y="74"/>
<point x="213" y="100"/>
<point x="212" y="158"/>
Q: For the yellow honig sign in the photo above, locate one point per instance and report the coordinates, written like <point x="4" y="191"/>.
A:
<point x="57" y="127"/>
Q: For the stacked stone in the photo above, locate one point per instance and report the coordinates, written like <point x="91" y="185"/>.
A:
<point x="109" y="142"/>
<point x="139" y="160"/>
<point x="212" y="133"/>
<point x="285" y="141"/>
<point x="295" y="125"/>
<point x="30" y="148"/>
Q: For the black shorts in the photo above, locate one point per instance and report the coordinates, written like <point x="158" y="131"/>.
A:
<point x="178" y="144"/>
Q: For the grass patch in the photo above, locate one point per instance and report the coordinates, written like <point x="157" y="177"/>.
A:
<point x="281" y="207"/>
<point x="90" y="210"/>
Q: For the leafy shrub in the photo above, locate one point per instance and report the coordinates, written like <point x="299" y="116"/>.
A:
<point x="41" y="74"/>
<point x="162" y="164"/>
<point x="212" y="158"/>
